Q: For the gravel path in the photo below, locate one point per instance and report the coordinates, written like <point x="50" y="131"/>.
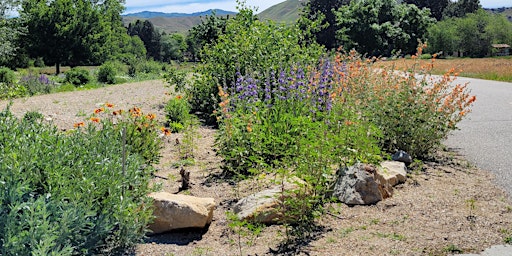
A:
<point x="485" y="138"/>
<point x="68" y="108"/>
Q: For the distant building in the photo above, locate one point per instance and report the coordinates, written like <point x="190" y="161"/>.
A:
<point x="501" y="49"/>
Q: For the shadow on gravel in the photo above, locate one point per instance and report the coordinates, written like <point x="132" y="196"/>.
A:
<point x="181" y="237"/>
<point x="298" y="245"/>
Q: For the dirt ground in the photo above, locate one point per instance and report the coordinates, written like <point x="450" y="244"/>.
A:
<point x="445" y="207"/>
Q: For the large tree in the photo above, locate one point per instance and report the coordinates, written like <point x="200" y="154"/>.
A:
<point x="380" y="27"/>
<point x="73" y="32"/>
<point x="149" y="35"/>
<point x="318" y="19"/>
<point x="460" y="8"/>
<point x="10" y="29"/>
<point x="436" y="6"/>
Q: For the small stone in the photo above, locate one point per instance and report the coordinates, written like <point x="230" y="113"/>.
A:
<point x="402" y="156"/>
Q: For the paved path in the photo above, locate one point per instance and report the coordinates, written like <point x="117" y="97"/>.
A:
<point x="485" y="137"/>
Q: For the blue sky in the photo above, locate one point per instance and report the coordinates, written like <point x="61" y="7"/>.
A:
<point x="190" y="6"/>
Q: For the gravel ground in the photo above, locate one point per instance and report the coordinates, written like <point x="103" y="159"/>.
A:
<point x="445" y="207"/>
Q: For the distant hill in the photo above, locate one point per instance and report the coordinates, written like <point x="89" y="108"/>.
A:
<point x="148" y="15"/>
<point x="287" y="11"/>
<point x="172" y="22"/>
<point x="507" y="11"/>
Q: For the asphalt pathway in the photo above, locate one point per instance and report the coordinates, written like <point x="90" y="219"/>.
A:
<point x="485" y="136"/>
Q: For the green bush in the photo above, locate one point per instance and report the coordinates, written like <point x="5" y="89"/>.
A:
<point x="69" y="193"/>
<point x="37" y="84"/>
<point x="177" y="112"/>
<point x="150" y="67"/>
<point x="78" y="76"/>
<point x="39" y="63"/>
<point x="12" y="91"/>
<point x="7" y="76"/>
<point x="107" y="74"/>
<point x="414" y="113"/>
<point x="249" y="46"/>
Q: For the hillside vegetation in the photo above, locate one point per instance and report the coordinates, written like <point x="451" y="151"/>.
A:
<point x="287" y="11"/>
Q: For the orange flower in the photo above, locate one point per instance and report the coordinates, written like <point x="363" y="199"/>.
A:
<point x="109" y="105"/>
<point x="179" y="97"/>
<point x="151" y="116"/>
<point x="99" y="110"/>
<point x="472" y="99"/>
<point x="166" y="131"/>
<point x="95" y="119"/>
<point x="135" y="111"/>
<point x="81" y="124"/>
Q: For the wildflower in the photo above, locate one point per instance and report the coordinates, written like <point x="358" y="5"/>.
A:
<point x="472" y="99"/>
<point x="165" y="131"/>
<point x="109" y="105"/>
<point x="95" y="119"/>
<point x="179" y="97"/>
<point x="80" y="124"/>
<point x="135" y="111"/>
<point x="99" y="110"/>
<point x="151" y="116"/>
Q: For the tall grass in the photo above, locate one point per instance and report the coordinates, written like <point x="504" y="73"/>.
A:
<point x="497" y="68"/>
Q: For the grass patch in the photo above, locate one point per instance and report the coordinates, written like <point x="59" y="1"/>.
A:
<point x="496" y="68"/>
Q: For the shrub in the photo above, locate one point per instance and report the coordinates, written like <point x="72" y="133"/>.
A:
<point x="107" y="74"/>
<point x="177" y="112"/>
<point x="414" y="112"/>
<point x="141" y="129"/>
<point x="150" y="67"/>
<point x="248" y="46"/>
<point x="72" y="193"/>
<point x="77" y="76"/>
<point x="7" y="76"/>
<point x="39" y="63"/>
<point x="12" y="91"/>
<point x="37" y="84"/>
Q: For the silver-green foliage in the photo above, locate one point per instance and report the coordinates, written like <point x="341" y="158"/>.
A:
<point x="67" y="194"/>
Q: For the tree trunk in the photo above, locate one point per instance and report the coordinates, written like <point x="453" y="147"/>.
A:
<point x="57" y="68"/>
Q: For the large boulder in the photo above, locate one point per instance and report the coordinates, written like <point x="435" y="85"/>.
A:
<point x="173" y="212"/>
<point x="356" y="185"/>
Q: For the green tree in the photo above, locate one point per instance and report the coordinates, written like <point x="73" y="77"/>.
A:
<point x="149" y="35"/>
<point x="318" y="18"/>
<point x="173" y="47"/>
<point x="381" y="27"/>
<point x="61" y="31"/>
<point x="10" y="29"/>
<point x="206" y="32"/>
<point x="443" y="37"/>
<point x="436" y="7"/>
<point x="461" y="7"/>
<point x="113" y="33"/>
<point x="500" y="29"/>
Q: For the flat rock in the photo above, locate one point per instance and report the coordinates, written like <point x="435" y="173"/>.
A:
<point x="173" y="212"/>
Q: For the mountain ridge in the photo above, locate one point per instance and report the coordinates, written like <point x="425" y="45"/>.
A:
<point x="150" y="14"/>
